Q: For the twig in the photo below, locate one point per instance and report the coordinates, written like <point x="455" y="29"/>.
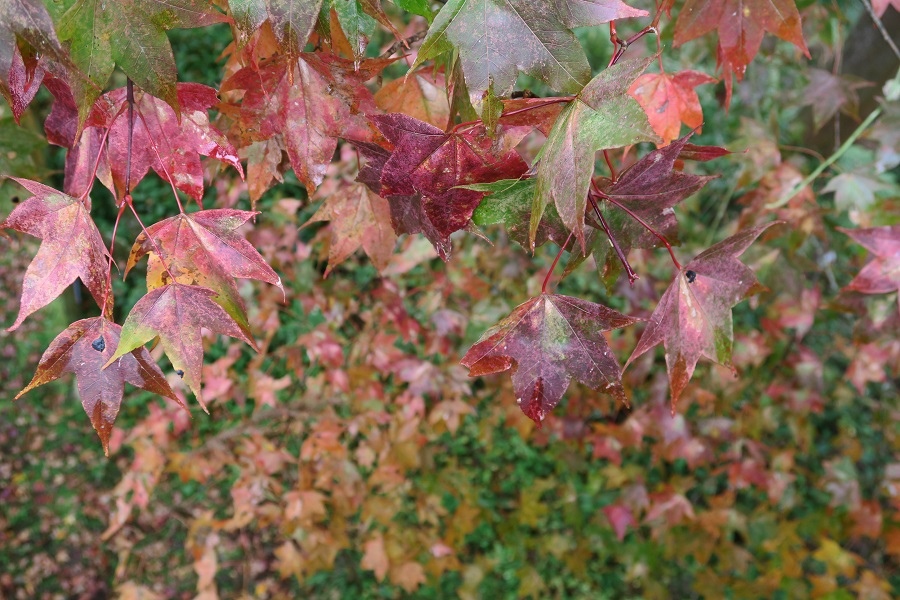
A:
<point x="880" y="26"/>
<point x="404" y="43"/>
<point x="785" y="198"/>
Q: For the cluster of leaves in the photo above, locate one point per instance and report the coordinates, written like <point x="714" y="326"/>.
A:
<point x="454" y="146"/>
<point x="278" y="99"/>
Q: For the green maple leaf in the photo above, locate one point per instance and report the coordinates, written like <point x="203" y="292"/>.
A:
<point x="131" y="34"/>
<point x="497" y="39"/>
<point x="603" y="116"/>
<point x="292" y="20"/>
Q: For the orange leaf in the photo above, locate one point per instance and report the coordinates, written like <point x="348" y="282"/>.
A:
<point x="670" y="100"/>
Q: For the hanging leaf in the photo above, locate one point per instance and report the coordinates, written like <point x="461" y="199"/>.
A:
<point x="175" y="313"/>
<point x="693" y="317"/>
<point x="71" y="247"/>
<point x="548" y="341"/>
<point x="83" y="348"/>
<point x="882" y="275"/>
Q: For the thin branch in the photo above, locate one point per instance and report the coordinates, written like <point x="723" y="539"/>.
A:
<point x="786" y="197"/>
<point x="404" y="43"/>
<point x="880" y="26"/>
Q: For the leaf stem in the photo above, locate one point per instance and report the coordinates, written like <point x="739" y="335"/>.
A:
<point x="524" y="109"/>
<point x="612" y="169"/>
<point x="162" y="164"/>
<point x="156" y="248"/>
<point x="555" y="261"/>
<point x="90" y="184"/>
<point x="129" y="94"/>
<point x="112" y="245"/>
<point x="632" y="276"/>
<point x="596" y="192"/>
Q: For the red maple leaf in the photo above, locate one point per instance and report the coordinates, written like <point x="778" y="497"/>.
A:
<point x="550" y="340"/>
<point x="205" y="249"/>
<point x="741" y="25"/>
<point x="427" y="166"/>
<point x="304" y="106"/>
<point x="71" y="248"/>
<point x="160" y="142"/>
<point x="670" y="100"/>
<point x="83" y="348"/>
<point x="693" y="317"/>
<point x="882" y="275"/>
<point x="649" y="189"/>
<point x="175" y="313"/>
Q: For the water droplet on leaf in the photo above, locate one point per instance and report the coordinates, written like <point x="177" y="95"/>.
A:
<point x="99" y="344"/>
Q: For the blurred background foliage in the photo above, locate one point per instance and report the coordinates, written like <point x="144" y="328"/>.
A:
<point x="353" y="458"/>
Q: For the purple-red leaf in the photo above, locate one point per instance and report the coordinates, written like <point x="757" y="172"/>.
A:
<point x="305" y="106"/>
<point x="549" y="341"/>
<point x="693" y="318"/>
<point x="72" y="247"/>
<point x="429" y="164"/>
<point x="83" y="348"/>
<point x="649" y="189"/>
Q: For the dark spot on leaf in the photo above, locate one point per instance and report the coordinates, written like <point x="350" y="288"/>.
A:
<point x="99" y="344"/>
<point x="180" y="373"/>
<point x="691" y="276"/>
<point x="15" y="199"/>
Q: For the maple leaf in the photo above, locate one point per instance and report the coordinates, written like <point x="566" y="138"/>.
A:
<point x="550" y="340"/>
<point x="71" y="248"/>
<point x="828" y="93"/>
<point x="292" y="20"/>
<point x="359" y="218"/>
<point x="509" y="203"/>
<point x="693" y="317"/>
<point x="670" y="100"/>
<point x="132" y="35"/>
<point x="27" y="20"/>
<point x="23" y="83"/>
<point x="602" y="116"/>
<point x="882" y="275"/>
<point x="356" y="23"/>
<point x="741" y="25"/>
<point x="204" y="249"/>
<point x="305" y="105"/>
<point x="175" y="313"/>
<point x="422" y="176"/>
<point x="420" y="95"/>
<point x="83" y="348"/>
<point x="650" y="188"/>
<point x="497" y="39"/>
<point x="172" y="148"/>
